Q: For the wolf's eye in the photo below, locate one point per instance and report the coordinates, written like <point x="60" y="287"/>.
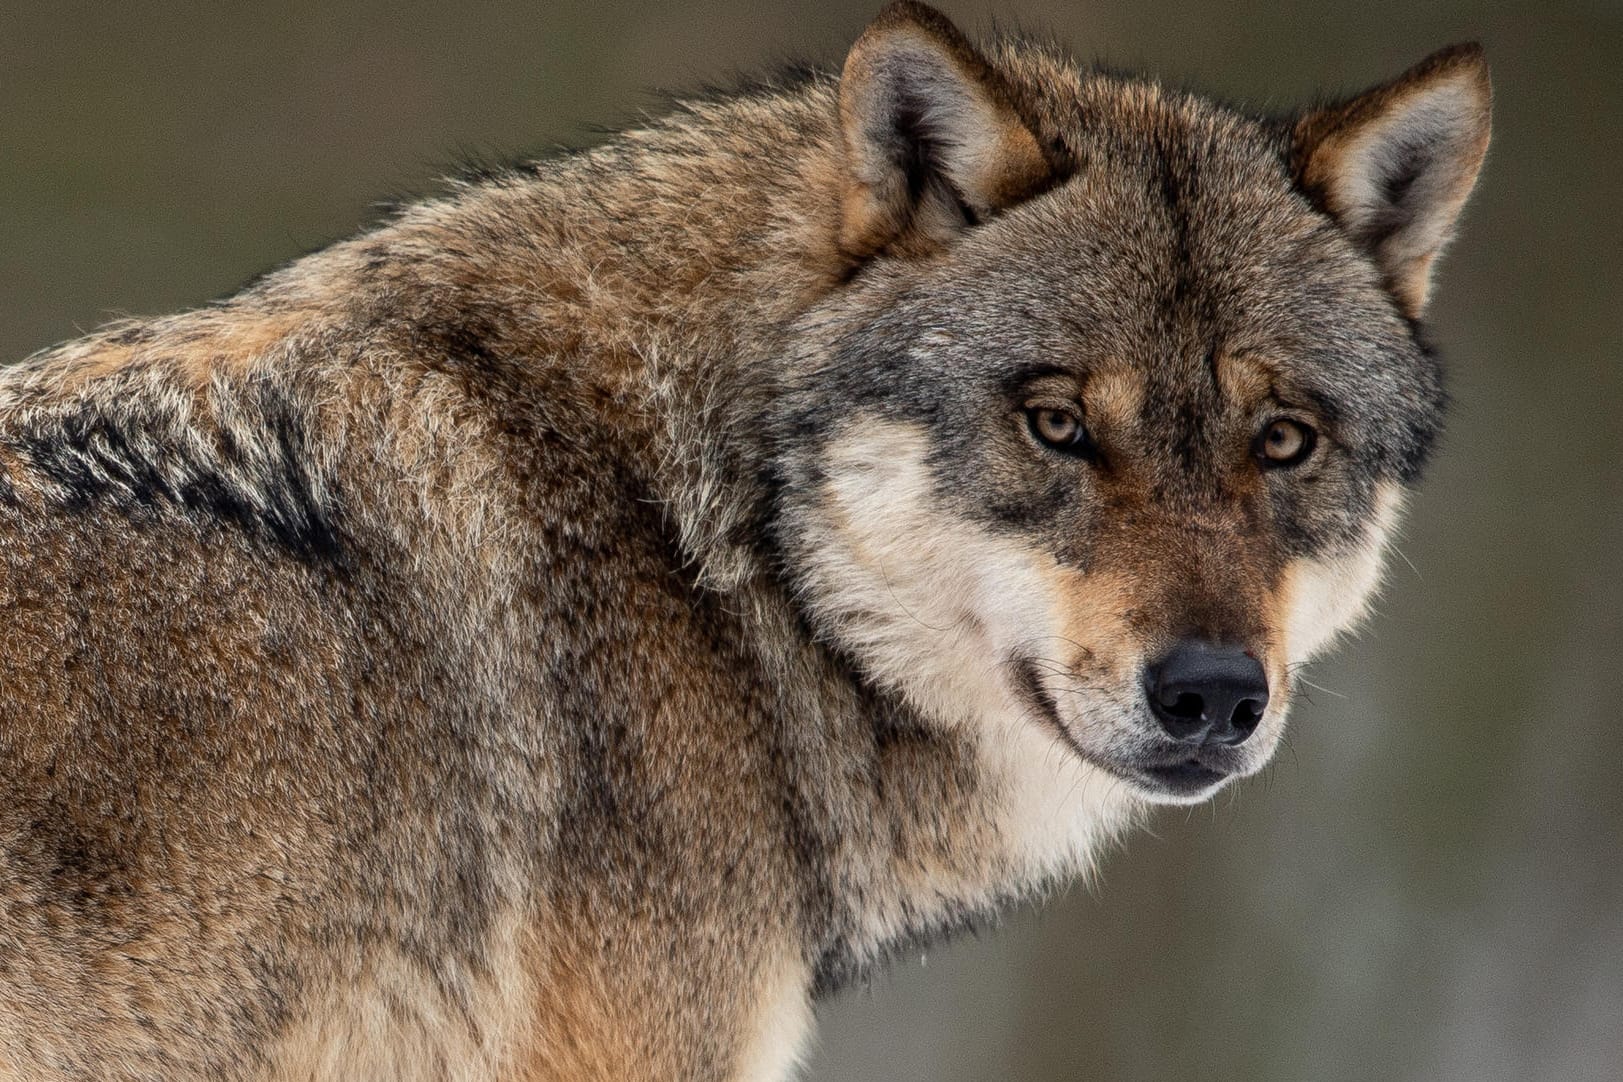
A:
<point x="1284" y="443"/>
<point x="1058" y="428"/>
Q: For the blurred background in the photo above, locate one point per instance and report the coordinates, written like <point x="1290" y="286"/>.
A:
<point x="1428" y="883"/>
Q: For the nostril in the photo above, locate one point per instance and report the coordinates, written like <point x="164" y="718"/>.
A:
<point x="1247" y="716"/>
<point x="1186" y="704"/>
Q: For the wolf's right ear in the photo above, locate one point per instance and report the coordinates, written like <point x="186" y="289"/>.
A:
<point x="932" y="140"/>
<point x="1395" y="164"/>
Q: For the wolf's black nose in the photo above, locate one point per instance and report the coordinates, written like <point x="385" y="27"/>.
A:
<point x="1207" y="693"/>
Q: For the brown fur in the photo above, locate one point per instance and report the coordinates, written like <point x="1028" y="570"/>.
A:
<point x="492" y="647"/>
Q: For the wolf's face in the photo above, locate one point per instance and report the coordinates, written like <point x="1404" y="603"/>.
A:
<point x="1120" y="455"/>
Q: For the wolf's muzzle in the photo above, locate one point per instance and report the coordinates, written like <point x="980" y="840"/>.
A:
<point x="1206" y="693"/>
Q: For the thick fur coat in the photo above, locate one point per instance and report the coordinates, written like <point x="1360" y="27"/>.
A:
<point x="559" y="633"/>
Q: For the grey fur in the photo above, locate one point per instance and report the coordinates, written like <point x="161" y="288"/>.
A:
<point x="419" y="662"/>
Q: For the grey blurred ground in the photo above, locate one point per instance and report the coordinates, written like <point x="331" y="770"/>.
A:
<point x="1428" y="884"/>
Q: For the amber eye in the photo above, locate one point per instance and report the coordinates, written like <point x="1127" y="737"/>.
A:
<point x="1060" y="429"/>
<point x="1284" y="443"/>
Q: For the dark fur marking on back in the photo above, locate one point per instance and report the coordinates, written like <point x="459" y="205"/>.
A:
<point x="96" y="457"/>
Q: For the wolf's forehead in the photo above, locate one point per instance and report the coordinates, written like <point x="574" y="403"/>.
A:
<point x="1143" y="265"/>
<point x="1161" y="209"/>
<point x="1134" y="122"/>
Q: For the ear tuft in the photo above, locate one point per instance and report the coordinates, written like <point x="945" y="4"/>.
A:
<point x="933" y="141"/>
<point x="1395" y="164"/>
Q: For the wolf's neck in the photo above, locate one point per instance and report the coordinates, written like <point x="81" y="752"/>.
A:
<point x="697" y="248"/>
<point x="905" y="828"/>
<point x="915" y="830"/>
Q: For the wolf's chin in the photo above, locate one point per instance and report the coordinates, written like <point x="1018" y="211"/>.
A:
<point x="1185" y="783"/>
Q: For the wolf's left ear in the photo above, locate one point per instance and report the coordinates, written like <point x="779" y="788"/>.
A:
<point x="932" y="139"/>
<point x="1395" y="164"/>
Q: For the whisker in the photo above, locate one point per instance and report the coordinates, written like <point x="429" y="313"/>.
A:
<point x="1321" y="687"/>
<point x="1408" y="561"/>
<point x="910" y="614"/>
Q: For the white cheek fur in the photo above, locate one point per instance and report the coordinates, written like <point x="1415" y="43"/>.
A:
<point x="933" y="606"/>
<point x="1328" y="597"/>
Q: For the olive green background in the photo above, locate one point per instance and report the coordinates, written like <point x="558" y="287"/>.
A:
<point x="1427" y="884"/>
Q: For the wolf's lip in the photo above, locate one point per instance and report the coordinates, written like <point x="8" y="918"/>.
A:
<point x="1183" y="779"/>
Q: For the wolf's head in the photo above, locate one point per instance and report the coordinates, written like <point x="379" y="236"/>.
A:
<point x="1112" y="420"/>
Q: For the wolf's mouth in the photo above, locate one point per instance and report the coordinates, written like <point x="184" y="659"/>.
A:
<point x="1187" y="778"/>
<point x="1180" y="779"/>
<point x="1043" y="707"/>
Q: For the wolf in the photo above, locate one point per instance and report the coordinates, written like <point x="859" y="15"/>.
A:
<point x="568" y="629"/>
